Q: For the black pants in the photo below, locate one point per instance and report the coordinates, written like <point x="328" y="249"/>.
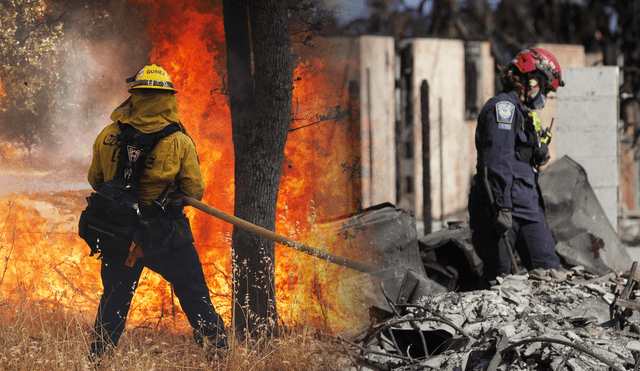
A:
<point x="181" y="268"/>
<point x="532" y="240"/>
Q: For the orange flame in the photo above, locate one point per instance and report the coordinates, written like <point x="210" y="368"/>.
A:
<point x="189" y="43"/>
<point x="319" y="181"/>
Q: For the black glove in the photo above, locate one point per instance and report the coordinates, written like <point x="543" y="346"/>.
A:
<point x="502" y="223"/>
<point x="541" y="155"/>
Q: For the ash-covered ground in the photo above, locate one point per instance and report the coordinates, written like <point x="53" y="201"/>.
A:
<point x="541" y="320"/>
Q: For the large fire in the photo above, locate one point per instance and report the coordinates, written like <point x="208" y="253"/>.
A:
<point x="41" y="257"/>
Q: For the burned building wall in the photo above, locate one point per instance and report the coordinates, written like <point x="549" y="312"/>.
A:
<point x="430" y="90"/>
<point x="588" y="129"/>
<point x="569" y="56"/>
<point x="629" y="166"/>
<point x="377" y="119"/>
<point x="348" y="126"/>
<point x="440" y="64"/>
<point x="481" y="86"/>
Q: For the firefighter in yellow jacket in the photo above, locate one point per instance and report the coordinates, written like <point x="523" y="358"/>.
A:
<point x="172" y="166"/>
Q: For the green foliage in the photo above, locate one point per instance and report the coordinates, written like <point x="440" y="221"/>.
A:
<point x="28" y="59"/>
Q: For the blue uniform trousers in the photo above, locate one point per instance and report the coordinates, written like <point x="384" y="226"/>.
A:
<point x="180" y="267"/>
<point x="532" y="240"/>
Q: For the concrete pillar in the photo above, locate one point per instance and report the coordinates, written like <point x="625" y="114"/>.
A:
<point x="440" y="63"/>
<point x="377" y="119"/>
<point x="587" y="129"/>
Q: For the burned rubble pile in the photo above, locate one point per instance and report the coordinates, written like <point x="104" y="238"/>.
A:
<point x="427" y="312"/>
<point x="542" y="320"/>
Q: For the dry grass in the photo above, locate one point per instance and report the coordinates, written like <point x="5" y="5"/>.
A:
<point x="33" y="337"/>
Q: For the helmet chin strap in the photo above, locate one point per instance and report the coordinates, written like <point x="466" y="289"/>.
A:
<point x="537" y="101"/>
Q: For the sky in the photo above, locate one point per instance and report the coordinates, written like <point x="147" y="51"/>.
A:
<point x="348" y="10"/>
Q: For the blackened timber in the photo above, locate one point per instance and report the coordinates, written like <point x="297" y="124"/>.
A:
<point x="426" y="158"/>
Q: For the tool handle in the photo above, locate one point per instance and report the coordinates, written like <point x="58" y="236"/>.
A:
<point x="494" y="208"/>
<point x="487" y="188"/>
<point x="286" y="241"/>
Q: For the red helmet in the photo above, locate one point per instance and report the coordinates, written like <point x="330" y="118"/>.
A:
<point x="537" y="59"/>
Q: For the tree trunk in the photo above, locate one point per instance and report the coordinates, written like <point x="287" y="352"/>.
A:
<point x="260" y="110"/>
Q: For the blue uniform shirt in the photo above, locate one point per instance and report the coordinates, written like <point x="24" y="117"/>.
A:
<point x="512" y="180"/>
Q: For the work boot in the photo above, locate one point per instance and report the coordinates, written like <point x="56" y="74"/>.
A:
<point x="218" y="351"/>
<point x="99" y="349"/>
<point x="215" y="345"/>
<point x="94" y="360"/>
<point x="215" y="354"/>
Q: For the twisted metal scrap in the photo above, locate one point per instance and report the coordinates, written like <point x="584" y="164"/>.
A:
<point x="501" y="340"/>
<point x="364" y="351"/>
<point x="376" y="329"/>
<point x="563" y="342"/>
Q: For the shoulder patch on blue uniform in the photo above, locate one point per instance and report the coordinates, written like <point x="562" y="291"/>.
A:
<point x="504" y="126"/>
<point x="504" y="111"/>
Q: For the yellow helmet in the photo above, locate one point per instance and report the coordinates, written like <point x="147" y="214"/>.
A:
<point x="151" y="77"/>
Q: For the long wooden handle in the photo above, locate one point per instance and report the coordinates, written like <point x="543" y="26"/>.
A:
<point x="505" y="239"/>
<point x="286" y="241"/>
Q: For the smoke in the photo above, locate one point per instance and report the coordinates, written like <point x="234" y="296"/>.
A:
<point x="345" y="10"/>
<point x="95" y="66"/>
<point x="103" y="43"/>
<point x="94" y="84"/>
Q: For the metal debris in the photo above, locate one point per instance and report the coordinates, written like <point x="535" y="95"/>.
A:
<point x="583" y="233"/>
<point x="543" y="320"/>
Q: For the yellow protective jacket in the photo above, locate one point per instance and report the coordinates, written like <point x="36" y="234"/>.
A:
<point x="173" y="159"/>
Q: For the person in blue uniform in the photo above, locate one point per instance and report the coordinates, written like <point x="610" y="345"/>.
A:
<point x="511" y="147"/>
